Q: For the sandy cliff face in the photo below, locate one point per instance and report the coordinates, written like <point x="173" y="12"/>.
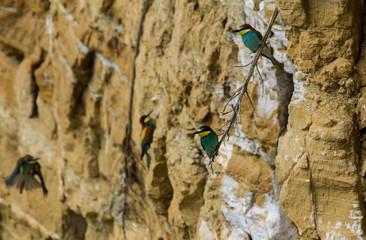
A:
<point x="318" y="165"/>
<point x="66" y="68"/>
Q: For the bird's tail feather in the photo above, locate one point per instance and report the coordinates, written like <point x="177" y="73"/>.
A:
<point x="277" y="63"/>
<point x="9" y="181"/>
<point x="28" y="183"/>
<point x="21" y="186"/>
<point x="31" y="184"/>
<point x="148" y="160"/>
<point x="266" y="52"/>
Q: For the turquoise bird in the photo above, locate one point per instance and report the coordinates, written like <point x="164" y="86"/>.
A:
<point x="23" y="175"/>
<point x="252" y="39"/>
<point x="147" y="134"/>
<point x="209" y="140"/>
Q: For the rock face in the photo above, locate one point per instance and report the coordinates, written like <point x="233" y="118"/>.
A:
<point x="318" y="164"/>
<point x="292" y="169"/>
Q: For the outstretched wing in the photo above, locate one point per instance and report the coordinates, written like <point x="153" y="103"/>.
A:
<point x="9" y="181"/>
<point x="37" y="171"/>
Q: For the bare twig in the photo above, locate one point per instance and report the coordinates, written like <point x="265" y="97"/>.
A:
<point x="222" y="126"/>
<point x="235" y="94"/>
<point x="251" y="103"/>
<point x="262" y="81"/>
<point x="246" y="65"/>
<point x="127" y="147"/>
<point x="259" y="73"/>
<point x="264" y="21"/>
<point x="249" y="236"/>
<point x="136" y="214"/>
<point x="243" y="89"/>
<point x="225" y="113"/>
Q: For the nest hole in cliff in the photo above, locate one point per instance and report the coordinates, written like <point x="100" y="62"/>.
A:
<point x="74" y="225"/>
<point x="12" y="53"/>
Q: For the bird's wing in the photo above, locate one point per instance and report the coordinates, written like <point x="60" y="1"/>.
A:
<point x="252" y="41"/>
<point x="147" y="135"/>
<point x="37" y="171"/>
<point x="203" y="146"/>
<point x="217" y="142"/>
<point x="31" y="183"/>
<point x="259" y="35"/>
<point x="17" y="180"/>
<point x="26" y="181"/>
<point x="9" y="181"/>
<point x="267" y="51"/>
<point x="143" y="134"/>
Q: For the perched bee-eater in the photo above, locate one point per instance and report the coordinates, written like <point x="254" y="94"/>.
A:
<point x="147" y="134"/>
<point x="23" y="175"/>
<point x="252" y="39"/>
<point x="209" y="140"/>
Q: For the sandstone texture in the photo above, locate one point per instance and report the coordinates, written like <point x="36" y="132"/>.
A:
<point x="293" y="168"/>
<point x="319" y="162"/>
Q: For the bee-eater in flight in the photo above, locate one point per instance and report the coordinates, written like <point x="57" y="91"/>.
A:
<point x="252" y="39"/>
<point x="147" y="134"/>
<point x="23" y="175"/>
<point x="209" y="140"/>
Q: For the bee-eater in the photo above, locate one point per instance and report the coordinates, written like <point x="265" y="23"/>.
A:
<point x="252" y="39"/>
<point x="147" y="134"/>
<point x="23" y="175"/>
<point x="209" y="140"/>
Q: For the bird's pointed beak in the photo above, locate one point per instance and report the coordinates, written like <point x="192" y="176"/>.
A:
<point x="235" y="30"/>
<point x="149" y="113"/>
<point x="34" y="160"/>
<point x="196" y="132"/>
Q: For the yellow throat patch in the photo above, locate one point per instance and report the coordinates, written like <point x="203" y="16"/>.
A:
<point x="148" y="118"/>
<point x="244" y="32"/>
<point x="204" y="134"/>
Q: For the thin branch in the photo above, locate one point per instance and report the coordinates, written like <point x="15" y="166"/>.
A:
<point x="264" y="22"/>
<point x="250" y="100"/>
<point x="260" y="75"/>
<point x="235" y="94"/>
<point x="222" y="126"/>
<point x="225" y="113"/>
<point x="249" y="236"/>
<point x="262" y="81"/>
<point x="136" y="194"/>
<point x="127" y="147"/>
<point x="146" y="6"/>
<point x="136" y="214"/>
<point x="246" y="65"/>
<point x="243" y="88"/>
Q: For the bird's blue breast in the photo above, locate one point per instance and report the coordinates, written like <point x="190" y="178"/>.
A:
<point x="151" y="124"/>
<point x="209" y="142"/>
<point x="251" y="41"/>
